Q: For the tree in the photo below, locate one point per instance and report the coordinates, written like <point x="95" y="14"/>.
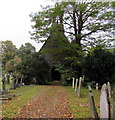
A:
<point x="34" y="66"/>
<point x="80" y="21"/>
<point x="99" y="66"/>
<point x="10" y="65"/>
<point x="26" y="49"/>
<point x="8" y="51"/>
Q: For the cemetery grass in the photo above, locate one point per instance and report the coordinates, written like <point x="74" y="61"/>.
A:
<point x="80" y="106"/>
<point x="13" y="107"/>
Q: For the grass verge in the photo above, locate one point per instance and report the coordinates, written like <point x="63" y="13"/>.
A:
<point x="12" y="108"/>
<point x="80" y="106"/>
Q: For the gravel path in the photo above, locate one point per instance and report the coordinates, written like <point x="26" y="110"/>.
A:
<point x="50" y="102"/>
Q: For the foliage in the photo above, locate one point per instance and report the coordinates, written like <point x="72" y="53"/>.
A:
<point x="26" y="50"/>
<point x="8" y="51"/>
<point x="34" y="66"/>
<point x="80" y="20"/>
<point x="99" y="66"/>
<point x="12" y="63"/>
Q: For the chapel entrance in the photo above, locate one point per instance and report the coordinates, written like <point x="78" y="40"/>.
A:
<point x="55" y="74"/>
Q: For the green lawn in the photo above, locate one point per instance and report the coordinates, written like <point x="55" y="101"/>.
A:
<point x="12" y="108"/>
<point x="80" y="107"/>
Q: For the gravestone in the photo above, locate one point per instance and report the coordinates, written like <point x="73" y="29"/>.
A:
<point x="8" y="78"/>
<point x="13" y="83"/>
<point x="109" y="89"/>
<point x="3" y="83"/>
<point x="79" y="87"/>
<point x="73" y="82"/>
<point x="94" y="113"/>
<point x="76" y="85"/>
<point x="104" y="103"/>
<point x="113" y="101"/>
<point x="21" y="82"/>
<point x="97" y="87"/>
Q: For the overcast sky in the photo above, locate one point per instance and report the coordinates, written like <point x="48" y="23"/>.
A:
<point x="15" y="21"/>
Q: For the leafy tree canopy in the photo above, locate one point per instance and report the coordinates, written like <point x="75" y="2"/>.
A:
<point x="26" y="49"/>
<point x="8" y="51"/>
<point x="85" y="23"/>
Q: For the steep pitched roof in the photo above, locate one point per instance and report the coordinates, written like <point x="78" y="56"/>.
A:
<point x="57" y="46"/>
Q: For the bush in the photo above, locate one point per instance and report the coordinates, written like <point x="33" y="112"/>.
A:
<point x="99" y="66"/>
<point x="34" y="66"/>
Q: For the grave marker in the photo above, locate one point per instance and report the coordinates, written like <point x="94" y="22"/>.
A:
<point x="79" y="87"/>
<point x="104" y="103"/>
<point x="76" y="85"/>
<point x="73" y="82"/>
<point x="109" y="89"/>
<point x="94" y="113"/>
<point x="97" y="86"/>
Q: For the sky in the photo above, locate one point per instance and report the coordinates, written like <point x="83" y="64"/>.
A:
<point x="15" y="22"/>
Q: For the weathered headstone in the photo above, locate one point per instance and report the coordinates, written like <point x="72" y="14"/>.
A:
<point x="113" y="101"/>
<point x="104" y="103"/>
<point x="8" y="78"/>
<point x="79" y="87"/>
<point x="97" y="87"/>
<point x="3" y="83"/>
<point x="73" y="82"/>
<point x="17" y="83"/>
<point x="109" y="89"/>
<point x="76" y="85"/>
<point x="94" y="113"/>
<point x="21" y="82"/>
<point x="13" y="83"/>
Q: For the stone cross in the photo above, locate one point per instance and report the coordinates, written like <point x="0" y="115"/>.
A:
<point x="73" y="82"/>
<point x="79" y="87"/>
<point x="104" y="103"/>
<point x="94" y="113"/>
<point x="97" y="86"/>
<point x="76" y="85"/>
<point x="109" y="89"/>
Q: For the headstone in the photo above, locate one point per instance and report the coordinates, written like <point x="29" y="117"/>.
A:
<point x="76" y="85"/>
<point x="13" y="83"/>
<point x="73" y="82"/>
<point x="79" y="87"/>
<point x="97" y="86"/>
<point x="109" y="89"/>
<point x="21" y="82"/>
<point x="94" y="113"/>
<point x="3" y="83"/>
<point x="17" y="84"/>
<point x="8" y="78"/>
<point x="104" y="103"/>
<point x="113" y="101"/>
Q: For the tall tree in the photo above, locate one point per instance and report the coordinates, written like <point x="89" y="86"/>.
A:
<point x="79" y="19"/>
<point x="8" y="51"/>
<point x="26" y="49"/>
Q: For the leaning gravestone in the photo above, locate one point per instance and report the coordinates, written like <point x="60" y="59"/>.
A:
<point x="104" y="103"/>
<point x="94" y="113"/>
<point x="109" y="89"/>
<point x="76" y="85"/>
<point x="79" y="87"/>
<point x="73" y="82"/>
